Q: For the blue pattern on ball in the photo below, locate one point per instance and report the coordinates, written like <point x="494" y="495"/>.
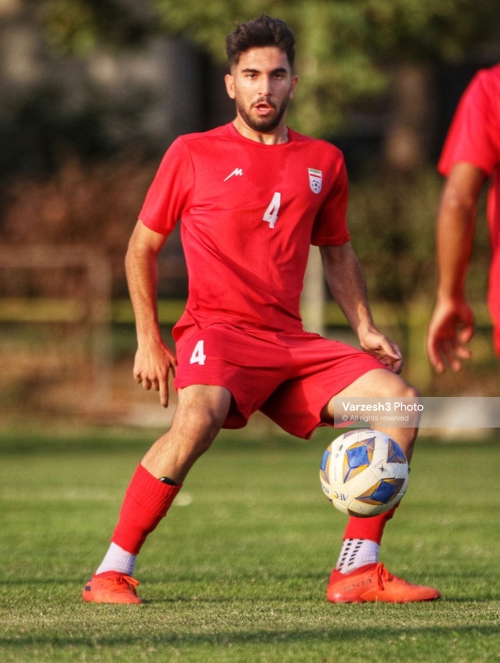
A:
<point x="324" y="460"/>
<point x="358" y="457"/>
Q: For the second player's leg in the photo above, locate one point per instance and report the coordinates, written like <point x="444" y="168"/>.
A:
<point x="200" y="414"/>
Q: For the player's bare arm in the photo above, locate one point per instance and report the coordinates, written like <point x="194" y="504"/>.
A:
<point x="452" y="323"/>
<point x="348" y="287"/>
<point x="153" y="359"/>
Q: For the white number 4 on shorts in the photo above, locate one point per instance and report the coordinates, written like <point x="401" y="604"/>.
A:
<point x="198" y="356"/>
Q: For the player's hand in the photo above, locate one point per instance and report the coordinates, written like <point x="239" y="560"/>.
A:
<point x="152" y="365"/>
<point x="383" y="349"/>
<point x="450" y="329"/>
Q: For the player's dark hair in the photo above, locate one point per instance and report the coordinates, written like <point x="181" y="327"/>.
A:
<point x="258" y="33"/>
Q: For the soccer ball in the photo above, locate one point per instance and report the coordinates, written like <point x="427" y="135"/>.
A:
<point x="364" y="473"/>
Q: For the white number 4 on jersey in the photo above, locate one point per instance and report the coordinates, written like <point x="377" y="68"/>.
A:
<point x="198" y="356"/>
<point x="271" y="213"/>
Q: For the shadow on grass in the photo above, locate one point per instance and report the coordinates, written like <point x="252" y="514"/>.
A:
<point x="302" y="636"/>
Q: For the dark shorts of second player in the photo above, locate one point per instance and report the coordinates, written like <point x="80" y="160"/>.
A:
<point x="289" y="376"/>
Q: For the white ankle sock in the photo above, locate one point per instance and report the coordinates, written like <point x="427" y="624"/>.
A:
<point x="356" y="553"/>
<point x="117" y="559"/>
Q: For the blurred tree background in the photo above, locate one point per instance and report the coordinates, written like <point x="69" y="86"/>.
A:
<point x="93" y="92"/>
<point x="370" y="81"/>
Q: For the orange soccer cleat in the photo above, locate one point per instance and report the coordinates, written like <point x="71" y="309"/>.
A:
<point x="111" y="587"/>
<point x="372" y="583"/>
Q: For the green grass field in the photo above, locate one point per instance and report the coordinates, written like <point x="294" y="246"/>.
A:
<point x="238" y="570"/>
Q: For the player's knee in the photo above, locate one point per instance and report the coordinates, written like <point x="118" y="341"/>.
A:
<point x="208" y="426"/>
<point x="411" y="392"/>
<point x="198" y="429"/>
<point x="401" y="389"/>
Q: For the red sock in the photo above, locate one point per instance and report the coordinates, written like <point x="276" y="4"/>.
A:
<point x="146" y="502"/>
<point x="368" y="528"/>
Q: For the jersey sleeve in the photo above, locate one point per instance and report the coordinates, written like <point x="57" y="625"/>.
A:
<point x="170" y="191"/>
<point x="330" y="226"/>
<point x="473" y="134"/>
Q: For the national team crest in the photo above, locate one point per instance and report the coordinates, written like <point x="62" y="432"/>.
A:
<point x="315" y="180"/>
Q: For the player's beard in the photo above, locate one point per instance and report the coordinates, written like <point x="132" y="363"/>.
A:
<point x="263" y="124"/>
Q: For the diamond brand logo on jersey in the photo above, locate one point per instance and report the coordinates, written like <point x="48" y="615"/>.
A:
<point x="236" y="171"/>
<point x="315" y="180"/>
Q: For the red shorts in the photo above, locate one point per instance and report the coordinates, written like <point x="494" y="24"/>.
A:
<point x="288" y="376"/>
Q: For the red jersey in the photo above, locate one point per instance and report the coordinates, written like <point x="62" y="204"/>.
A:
<point x="249" y="213"/>
<point x="474" y="137"/>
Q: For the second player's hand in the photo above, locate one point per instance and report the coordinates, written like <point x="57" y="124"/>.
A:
<point x="152" y="366"/>
<point x="383" y="349"/>
<point x="451" y="328"/>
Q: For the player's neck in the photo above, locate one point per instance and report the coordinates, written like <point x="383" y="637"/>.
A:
<point x="274" y="137"/>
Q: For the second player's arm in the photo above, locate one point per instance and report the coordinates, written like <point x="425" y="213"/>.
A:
<point x="348" y="287"/>
<point x="153" y="359"/>
<point x="452" y="323"/>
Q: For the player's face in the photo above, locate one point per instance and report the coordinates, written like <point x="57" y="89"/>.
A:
<point x="262" y="84"/>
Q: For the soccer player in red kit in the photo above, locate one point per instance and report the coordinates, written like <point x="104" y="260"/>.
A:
<point x="470" y="156"/>
<point x="251" y="196"/>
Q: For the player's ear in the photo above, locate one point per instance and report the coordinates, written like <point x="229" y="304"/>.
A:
<point x="293" y="85"/>
<point x="229" y="80"/>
